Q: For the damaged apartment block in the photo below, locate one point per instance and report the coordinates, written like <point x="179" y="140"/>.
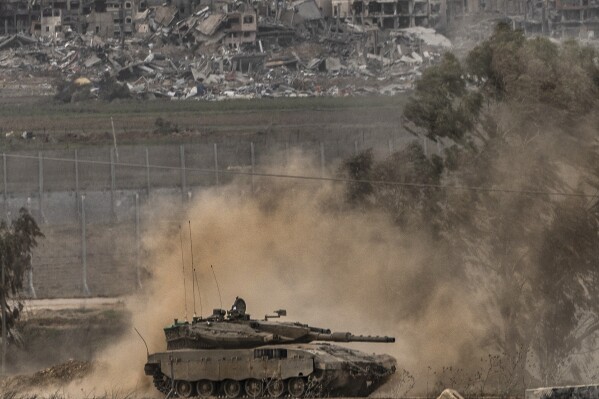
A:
<point x="124" y="18"/>
<point x="388" y="14"/>
<point x="240" y="28"/>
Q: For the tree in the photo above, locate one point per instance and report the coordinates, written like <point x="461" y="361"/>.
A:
<point x="17" y="242"/>
<point x="442" y="104"/>
<point x="410" y="204"/>
<point x="519" y="114"/>
<point x="535" y="254"/>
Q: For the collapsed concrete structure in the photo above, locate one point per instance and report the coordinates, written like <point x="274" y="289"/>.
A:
<point x="226" y="53"/>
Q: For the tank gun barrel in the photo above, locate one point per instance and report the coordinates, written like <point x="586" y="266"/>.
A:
<point x="349" y="337"/>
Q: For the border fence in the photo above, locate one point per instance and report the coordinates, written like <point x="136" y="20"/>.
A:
<point x="89" y="201"/>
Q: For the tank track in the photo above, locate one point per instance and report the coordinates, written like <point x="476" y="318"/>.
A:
<point x="314" y="389"/>
<point x="162" y="383"/>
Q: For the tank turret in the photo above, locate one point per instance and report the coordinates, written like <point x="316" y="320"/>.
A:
<point x="235" y="329"/>
<point x="230" y="354"/>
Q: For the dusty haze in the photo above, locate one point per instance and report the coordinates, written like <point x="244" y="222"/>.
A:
<point x="287" y="247"/>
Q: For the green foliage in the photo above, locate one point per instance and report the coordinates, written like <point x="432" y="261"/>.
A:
<point x="17" y="241"/>
<point x="442" y="105"/>
<point x="164" y="126"/>
<point x="409" y="206"/>
<point x="496" y="60"/>
<point x="110" y="89"/>
<point x="70" y="92"/>
<point x="535" y="72"/>
<point x="358" y="167"/>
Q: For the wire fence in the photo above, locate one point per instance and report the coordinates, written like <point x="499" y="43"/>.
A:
<point x="89" y="200"/>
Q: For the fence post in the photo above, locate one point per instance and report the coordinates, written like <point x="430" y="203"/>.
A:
<point x="253" y="163"/>
<point x="148" y="172"/>
<point x="183" y="174"/>
<point x="137" y="242"/>
<point x="355" y="147"/>
<point x="5" y="187"/>
<point x="322" y="160"/>
<point x="112" y="184"/>
<point x="40" y="169"/>
<point x="216" y="164"/>
<point x="31" y="287"/>
<point x="390" y="146"/>
<point x="425" y="140"/>
<point x="77" y="184"/>
<point x="4" y="333"/>
<point x="287" y="153"/>
<point x="84" y="248"/>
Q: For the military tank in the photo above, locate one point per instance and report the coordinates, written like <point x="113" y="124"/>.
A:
<point x="230" y="355"/>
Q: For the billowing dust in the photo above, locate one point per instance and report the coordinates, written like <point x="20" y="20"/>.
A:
<point x="291" y="247"/>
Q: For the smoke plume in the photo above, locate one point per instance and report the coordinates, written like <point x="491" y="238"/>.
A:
<point x="291" y="247"/>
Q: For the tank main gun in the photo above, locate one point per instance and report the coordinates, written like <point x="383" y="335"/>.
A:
<point x="348" y="337"/>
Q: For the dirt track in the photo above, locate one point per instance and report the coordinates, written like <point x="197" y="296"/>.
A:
<point x="55" y="331"/>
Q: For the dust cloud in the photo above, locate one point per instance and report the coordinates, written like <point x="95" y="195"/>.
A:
<point x="290" y="246"/>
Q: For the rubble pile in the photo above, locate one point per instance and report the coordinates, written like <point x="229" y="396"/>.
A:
<point x="235" y="52"/>
<point x="58" y="375"/>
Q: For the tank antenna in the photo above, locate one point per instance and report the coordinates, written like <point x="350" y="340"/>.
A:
<point x="199" y="293"/>
<point x="183" y="265"/>
<point x="193" y="268"/>
<point x="145" y="343"/>
<point x="217" y="287"/>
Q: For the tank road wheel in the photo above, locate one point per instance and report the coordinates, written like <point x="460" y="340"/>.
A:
<point x="205" y="388"/>
<point x="184" y="389"/>
<point x="253" y="388"/>
<point x="275" y="387"/>
<point x="296" y="387"/>
<point x="232" y="388"/>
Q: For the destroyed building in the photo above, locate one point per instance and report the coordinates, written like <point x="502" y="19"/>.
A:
<point x="125" y="18"/>
<point x="219" y="49"/>
<point x="122" y="17"/>
<point x="240" y="28"/>
<point x="389" y="14"/>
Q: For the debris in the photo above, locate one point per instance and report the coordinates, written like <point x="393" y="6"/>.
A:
<point x="58" y="375"/>
<point x="332" y="64"/>
<point x="165" y="15"/>
<point x="91" y="61"/>
<point x="428" y="36"/>
<point x="209" y="25"/>
<point x="224" y="50"/>
<point x="16" y="41"/>
<point x="572" y="392"/>
<point x="450" y="394"/>
<point x="82" y="81"/>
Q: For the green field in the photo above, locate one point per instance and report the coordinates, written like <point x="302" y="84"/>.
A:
<point x="60" y="125"/>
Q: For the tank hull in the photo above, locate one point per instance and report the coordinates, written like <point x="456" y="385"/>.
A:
<point x="298" y="370"/>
